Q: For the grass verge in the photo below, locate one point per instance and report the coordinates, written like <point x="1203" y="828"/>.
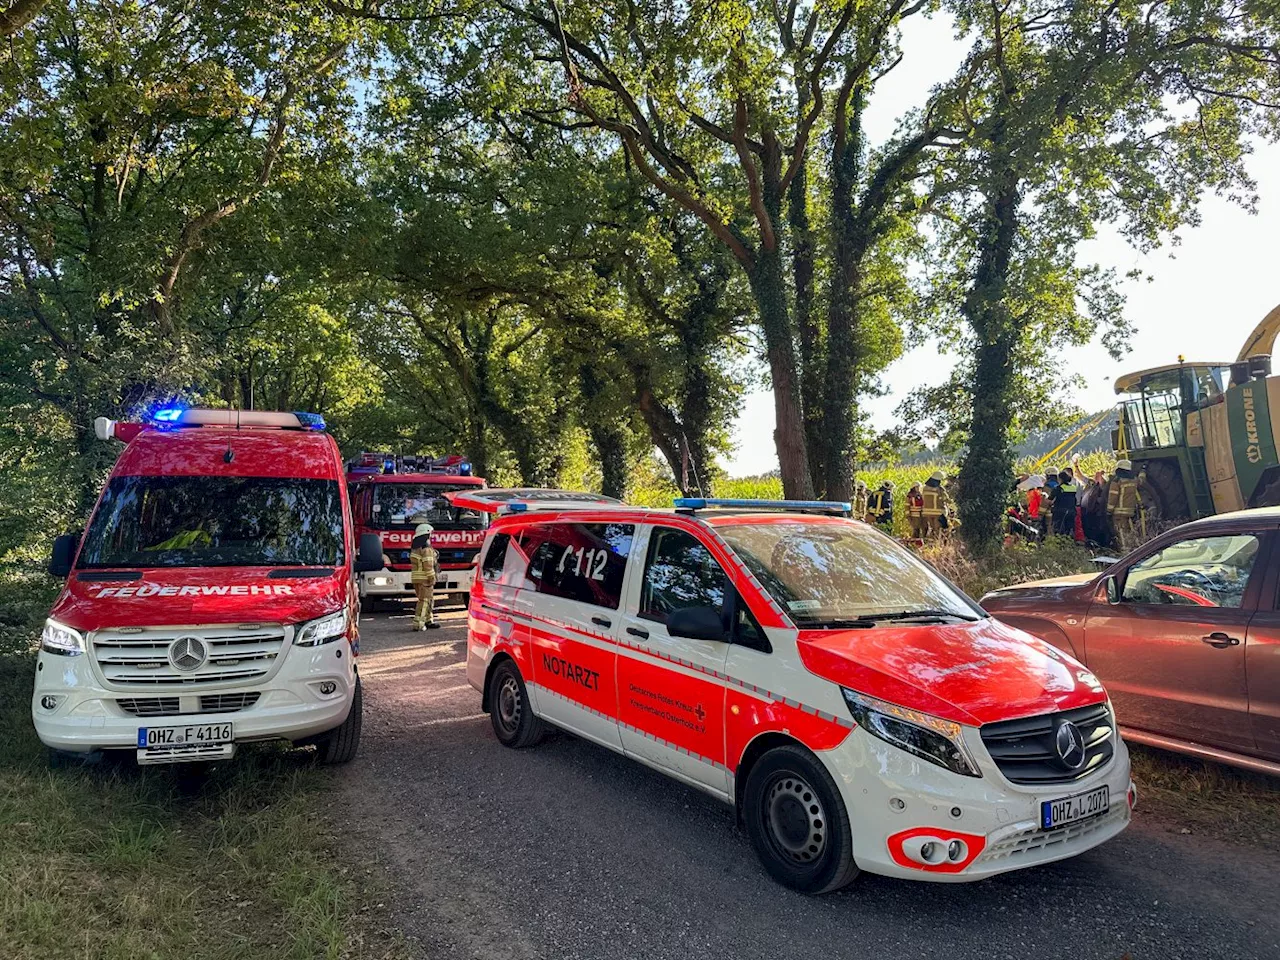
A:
<point x="1203" y="798"/>
<point x="115" y="861"/>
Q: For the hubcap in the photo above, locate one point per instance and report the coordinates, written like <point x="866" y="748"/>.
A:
<point x="509" y="704"/>
<point x="794" y="819"/>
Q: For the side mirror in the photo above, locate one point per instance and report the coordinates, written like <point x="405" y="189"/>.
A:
<point x="369" y="554"/>
<point x="64" y="555"/>
<point x="697" y="623"/>
<point x="1113" y="590"/>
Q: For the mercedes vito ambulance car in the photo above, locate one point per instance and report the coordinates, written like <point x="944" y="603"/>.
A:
<point x="859" y="711"/>
<point x="210" y="601"/>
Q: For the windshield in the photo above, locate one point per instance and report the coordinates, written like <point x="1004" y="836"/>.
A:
<point x="407" y="504"/>
<point x="831" y="574"/>
<point x="216" y="522"/>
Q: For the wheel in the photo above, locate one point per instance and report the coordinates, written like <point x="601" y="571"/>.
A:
<point x="1164" y="494"/>
<point x="513" y="721"/>
<point x="339" y="744"/>
<point x="797" y="822"/>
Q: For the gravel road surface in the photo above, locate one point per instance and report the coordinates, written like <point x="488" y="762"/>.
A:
<point x="570" y="851"/>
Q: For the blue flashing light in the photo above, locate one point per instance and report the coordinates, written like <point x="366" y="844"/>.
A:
<point x="168" y="414"/>
<point x="516" y="507"/>
<point x="464" y="469"/>
<point x="310" y="421"/>
<point x="701" y="503"/>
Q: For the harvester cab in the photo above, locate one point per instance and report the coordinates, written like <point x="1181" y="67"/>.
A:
<point x="1201" y="435"/>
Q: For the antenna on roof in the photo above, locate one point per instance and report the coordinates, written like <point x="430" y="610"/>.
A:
<point x="231" y="454"/>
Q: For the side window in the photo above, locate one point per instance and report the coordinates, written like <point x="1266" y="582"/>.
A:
<point x="680" y="573"/>
<point x="581" y="561"/>
<point x="1205" y="572"/>
<point x="496" y="558"/>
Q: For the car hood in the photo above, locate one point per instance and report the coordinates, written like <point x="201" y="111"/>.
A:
<point x="971" y="673"/>
<point x="196" y="595"/>
<point x="1052" y="589"/>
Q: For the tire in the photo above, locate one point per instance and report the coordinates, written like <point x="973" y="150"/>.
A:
<point x="797" y="822"/>
<point x="510" y="711"/>
<point x="1164" y="485"/>
<point x="339" y="745"/>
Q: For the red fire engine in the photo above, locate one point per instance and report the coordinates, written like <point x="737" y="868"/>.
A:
<point x="390" y="496"/>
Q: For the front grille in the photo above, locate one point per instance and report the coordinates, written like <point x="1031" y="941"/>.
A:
<point x="150" y="706"/>
<point x="1033" y="840"/>
<point x="139" y="656"/>
<point x="228" y="702"/>
<point x="1025" y="750"/>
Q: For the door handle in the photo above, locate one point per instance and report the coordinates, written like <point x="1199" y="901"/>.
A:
<point x="640" y="632"/>
<point x="1220" y="640"/>
<point x="602" y="621"/>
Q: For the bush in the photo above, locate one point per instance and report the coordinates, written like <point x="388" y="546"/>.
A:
<point x="1016" y="563"/>
<point x="25" y="597"/>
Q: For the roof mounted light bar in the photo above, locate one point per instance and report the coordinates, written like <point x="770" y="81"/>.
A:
<point x="693" y="504"/>
<point x="168" y="417"/>
<point x="522" y="500"/>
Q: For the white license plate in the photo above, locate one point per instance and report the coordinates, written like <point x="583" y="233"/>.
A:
<point x="157" y="738"/>
<point x="1082" y="806"/>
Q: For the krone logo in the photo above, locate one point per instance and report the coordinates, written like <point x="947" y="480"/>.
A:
<point x="187" y="654"/>
<point x="1069" y="742"/>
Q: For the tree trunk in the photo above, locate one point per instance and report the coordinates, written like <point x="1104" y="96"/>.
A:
<point x="987" y="468"/>
<point x="611" y="446"/>
<point x="802" y="275"/>
<point x="844" y="336"/>
<point x="768" y="284"/>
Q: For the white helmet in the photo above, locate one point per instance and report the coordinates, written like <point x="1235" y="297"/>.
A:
<point x="423" y="530"/>
<point x="1124" y="464"/>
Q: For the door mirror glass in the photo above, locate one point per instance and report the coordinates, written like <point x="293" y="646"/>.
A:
<point x="64" y="554"/>
<point x="1112" y="590"/>
<point x="697" y="623"/>
<point x="369" y="556"/>
<point x="1202" y="571"/>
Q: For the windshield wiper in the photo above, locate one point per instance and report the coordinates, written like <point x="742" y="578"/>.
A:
<point x="918" y="615"/>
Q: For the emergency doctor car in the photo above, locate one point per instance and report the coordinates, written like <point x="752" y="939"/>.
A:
<point x="211" y="600"/>
<point x="858" y="711"/>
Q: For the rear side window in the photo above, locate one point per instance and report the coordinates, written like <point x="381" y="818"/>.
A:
<point x="681" y="573"/>
<point x="496" y="557"/>
<point x="580" y="561"/>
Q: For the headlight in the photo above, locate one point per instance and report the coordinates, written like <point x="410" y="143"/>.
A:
<point x="314" y="633"/>
<point x="920" y="734"/>
<point x="61" y="639"/>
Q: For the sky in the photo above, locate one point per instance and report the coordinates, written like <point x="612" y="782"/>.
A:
<point x="1203" y="298"/>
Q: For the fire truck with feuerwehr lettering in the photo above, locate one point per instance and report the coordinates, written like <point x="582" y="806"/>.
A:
<point x="390" y="496"/>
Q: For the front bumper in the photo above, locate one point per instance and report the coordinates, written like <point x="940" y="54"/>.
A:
<point x="891" y="795"/>
<point x="87" y="716"/>
<point x="398" y="584"/>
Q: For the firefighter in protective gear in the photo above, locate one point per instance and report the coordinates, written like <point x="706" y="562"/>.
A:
<point x="915" y="512"/>
<point x="880" y="506"/>
<point x="425" y="565"/>
<point x="935" y="506"/>
<point x="860" y="500"/>
<point x="1124" y="501"/>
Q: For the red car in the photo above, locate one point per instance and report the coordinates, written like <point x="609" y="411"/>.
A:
<point x="1184" y="632"/>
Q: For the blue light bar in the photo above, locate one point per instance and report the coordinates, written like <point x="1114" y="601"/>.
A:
<point x="310" y="421"/>
<point x="702" y="503"/>
<point x="168" y="414"/>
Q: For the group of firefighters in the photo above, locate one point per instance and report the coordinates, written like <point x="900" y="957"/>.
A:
<point x="1039" y="506"/>
<point x="930" y="507"/>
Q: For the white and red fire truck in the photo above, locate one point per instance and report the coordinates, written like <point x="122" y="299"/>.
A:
<point x="390" y="496"/>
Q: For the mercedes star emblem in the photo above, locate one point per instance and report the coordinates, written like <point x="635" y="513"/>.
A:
<point x="187" y="654"/>
<point x="1069" y="742"/>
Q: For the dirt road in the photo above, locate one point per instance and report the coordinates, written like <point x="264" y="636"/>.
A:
<point x="568" y="851"/>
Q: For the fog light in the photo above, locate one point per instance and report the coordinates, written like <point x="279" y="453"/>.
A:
<point x="381" y="581"/>
<point x="49" y="703"/>
<point x="930" y="852"/>
<point x="956" y="851"/>
<point x="328" y="687"/>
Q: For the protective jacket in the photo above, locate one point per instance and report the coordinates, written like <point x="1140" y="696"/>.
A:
<point x="423" y="560"/>
<point x="1123" y="498"/>
<point x="934" y="499"/>
<point x="880" y="505"/>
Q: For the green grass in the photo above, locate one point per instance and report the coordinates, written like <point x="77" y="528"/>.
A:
<point x="113" y="861"/>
